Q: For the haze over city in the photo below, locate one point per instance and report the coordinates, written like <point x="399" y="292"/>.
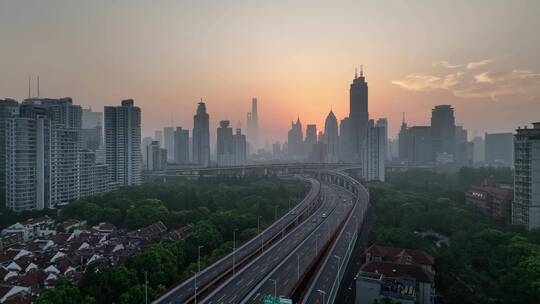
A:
<point x="297" y="57"/>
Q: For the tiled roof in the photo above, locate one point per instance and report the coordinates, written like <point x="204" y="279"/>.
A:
<point x="402" y="255"/>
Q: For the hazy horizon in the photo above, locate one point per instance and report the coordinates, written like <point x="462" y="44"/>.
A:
<point x="297" y="58"/>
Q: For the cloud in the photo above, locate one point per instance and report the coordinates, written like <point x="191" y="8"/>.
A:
<point x="447" y="65"/>
<point x="495" y="85"/>
<point x="476" y="64"/>
<point x="464" y="83"/>
<point x="426" y="83"/>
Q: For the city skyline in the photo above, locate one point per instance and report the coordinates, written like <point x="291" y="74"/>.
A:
<point x="305" y="72"/>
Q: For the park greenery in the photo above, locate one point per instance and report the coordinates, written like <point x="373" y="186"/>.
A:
<point x="216" y="207"/>
<point x="484" y="262"/>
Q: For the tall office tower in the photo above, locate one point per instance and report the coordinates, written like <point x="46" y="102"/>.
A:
<point x="499" y="149"/>
<point x="373" y="164"/>
<point x="479" y="150"/>
<point x="181" y="146"/>
<point x="168" y="134"/>
<point x="295" y="144"/>
<point x="526" y="204"/>
<point x="123" y="143"/>
<point x="65" y="126"/>
<point x="419" y="144"/>
<point x="146" y="141"/>
<point x="345" y="140"/>
<point x="358" y="115"/>
<point x="92" y="133"/>
<point x="331" y="138"/>
<point x="253" y="125"/>
<point x="225" y="145"/>
<point x="158" y="136"/>
<point x="464" y="148"/>
<point x="311" y="138"/>
<point x="393" y="144"/>
<point x="443" y="132"/>
<point x="201" y="136"/>
<point x="156" y="156"/>
<point x="383" y="123"/>
<point x="239" y="148"/>
<point x="9" y="108"/>
<point x="403" y="141"/>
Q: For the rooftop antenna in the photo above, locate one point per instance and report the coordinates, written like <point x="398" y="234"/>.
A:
<point x="29" y="85"/>
<point x="361" y="70"/>
<point x="403" y="117"/>
<point x="38" y="86"/>
<point x="355" y="73"/>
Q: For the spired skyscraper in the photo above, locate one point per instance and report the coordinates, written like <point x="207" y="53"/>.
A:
<point x="358" y="116"/>
<point x="123" y="143"/>
<point x="201" y="136"/>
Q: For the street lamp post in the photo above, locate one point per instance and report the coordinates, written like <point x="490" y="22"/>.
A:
<point x="322" y="294"/>
<point x="339" y="264"/>
<point x="234" y="251"/>
<point x="199" y="266"/>
<point x="258" y="231"/>
<point x="298" y="266"/>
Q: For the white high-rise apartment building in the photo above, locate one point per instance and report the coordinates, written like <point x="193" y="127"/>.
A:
<point x="123" y="143"/>
<point x="168" y="134"/>
<point x="526" y="204"/>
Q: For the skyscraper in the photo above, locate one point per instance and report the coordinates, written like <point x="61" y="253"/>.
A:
<point x="311" y="138"/>
<point x="158" y="136"/>
<point x="65" y="126"/>
<point x="331" y="137"/>
<point x="9" y="108"/>
<point x="146" y="141"/>
<point x="168" y="137"/>
<point x="358" y="115"/>
<point x="374" y="158"/>
<point x="253" y="125"/>
<point x="419" y="144"/>
<point x="499" y="149"/>
<point x="123" y="143"/>
<point x="295" y="144"/>
<point x="239" y="148"/>
<point x="92" y="133"/>
<point x="345" y="140"/>
<point x="403" y="140"/>
<point x="156" y="156"/>
<point x="383" y="123"/>
<point x="443" y="132"/>
<point x="526" y="204"/>
<point x="201" y="136"/>
<point x="181" y="146"/>
<point x="225" y="145"/>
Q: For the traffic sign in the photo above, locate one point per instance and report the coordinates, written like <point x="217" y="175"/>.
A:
<point x="270" y="300"/>
<point x="285" y="301"/>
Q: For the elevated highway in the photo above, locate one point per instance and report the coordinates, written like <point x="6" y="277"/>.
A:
<point x="301" y="256"/>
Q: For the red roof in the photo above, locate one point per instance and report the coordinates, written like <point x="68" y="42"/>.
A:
<point x="33" y="278"/>
<point x="401" y="255"/>
<point x="396" y="270"/>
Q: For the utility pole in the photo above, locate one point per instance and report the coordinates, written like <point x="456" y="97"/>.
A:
<point x="275" y="286"/>
<point x="145" y="288"/>
<point x="234" y="251"/>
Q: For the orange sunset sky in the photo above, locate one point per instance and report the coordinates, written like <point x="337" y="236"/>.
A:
<point x="297" y="57"/>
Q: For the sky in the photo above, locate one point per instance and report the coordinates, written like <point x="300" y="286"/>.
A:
<point x="297" y="57"/>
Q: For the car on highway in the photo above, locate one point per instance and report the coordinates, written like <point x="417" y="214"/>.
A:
<point x="314" y="220"/>
<point x="324" y="215"/>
